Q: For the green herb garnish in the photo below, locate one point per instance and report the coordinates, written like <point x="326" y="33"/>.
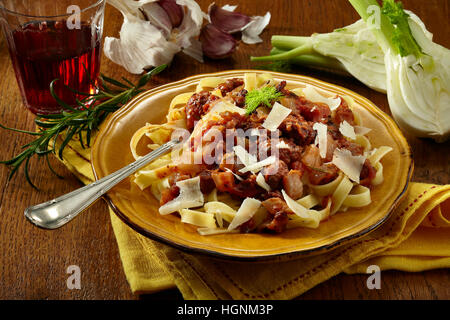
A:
<point x="264" y="96"/>
<point x="402" y="36"/>
<point x="75" y="122"/>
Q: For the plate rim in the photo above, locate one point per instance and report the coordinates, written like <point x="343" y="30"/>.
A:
<point x="260" y="257"/>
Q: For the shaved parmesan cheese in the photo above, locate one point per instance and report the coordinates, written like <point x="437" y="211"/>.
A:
<point x="256" y="167"/>
<point x="245" y="157"/>
<point x="246" y="211"/>
<point x="298" y="209"/>
<point x="260" y="216"/>
<point x="212" y="231"/>
<point x="190" y="197"/>
<point x="347" y="130"/>
<point x="276" y="117"/>
<point x="321" y="139"/>
<point x="313" y="95"/>
<point x="234" y="174"/>
<point x="308" y="218"/>
<point x="282" y="145"/>
<point x="349" y="164"/>
<point x="262" y="182"/>
<point x="362" y="130"/>
<point x="198" y="218"/>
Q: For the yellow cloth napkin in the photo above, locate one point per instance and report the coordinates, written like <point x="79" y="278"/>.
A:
<point x="415" y="238"/>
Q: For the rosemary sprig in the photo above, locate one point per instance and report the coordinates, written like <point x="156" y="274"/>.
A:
<point x="94" y="108"/>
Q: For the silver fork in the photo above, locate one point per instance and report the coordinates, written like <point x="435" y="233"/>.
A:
<point x="57" y="212"/>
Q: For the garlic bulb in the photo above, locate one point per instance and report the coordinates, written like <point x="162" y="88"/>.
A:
<point x="153" y="32"/>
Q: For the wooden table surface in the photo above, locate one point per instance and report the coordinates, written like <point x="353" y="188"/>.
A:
<point x="33" y="262"/>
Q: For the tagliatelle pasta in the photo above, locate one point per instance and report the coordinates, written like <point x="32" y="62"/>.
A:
<point x="294" y="170"/>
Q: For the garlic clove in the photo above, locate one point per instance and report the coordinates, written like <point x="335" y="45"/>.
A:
<point x="191" y="25"/>
<point x="157" y="16"/>
<point x="227" y="20"/>
<point x="216" y="44"/>
<point x="173" y="10"/>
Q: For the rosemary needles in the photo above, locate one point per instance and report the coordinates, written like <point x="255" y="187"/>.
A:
<point x="75" y="122"/>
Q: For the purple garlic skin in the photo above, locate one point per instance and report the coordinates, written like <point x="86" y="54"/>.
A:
<point x="157" y="16"/>
<point x="217" y="44"/>
<point x="174" y="11"/>
<point x="227" y="21"/>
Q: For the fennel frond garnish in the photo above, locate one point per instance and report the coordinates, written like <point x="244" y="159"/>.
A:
<point x="263" y="96"/>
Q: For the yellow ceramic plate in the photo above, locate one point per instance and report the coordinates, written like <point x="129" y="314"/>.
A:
<point x="139" y="210"/>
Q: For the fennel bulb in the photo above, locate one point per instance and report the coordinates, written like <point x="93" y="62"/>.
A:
<point x="353" y="49"/>
<point x="398" y="57"/>
<point x="417" y="71"/>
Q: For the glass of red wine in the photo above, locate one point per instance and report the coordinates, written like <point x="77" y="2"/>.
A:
<point x="54" y="39"/>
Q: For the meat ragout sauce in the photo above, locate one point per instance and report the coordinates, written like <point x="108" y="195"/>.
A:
<point x="302" y="157"/>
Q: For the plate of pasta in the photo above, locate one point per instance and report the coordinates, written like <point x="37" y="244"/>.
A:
<point x="270" y="165"/>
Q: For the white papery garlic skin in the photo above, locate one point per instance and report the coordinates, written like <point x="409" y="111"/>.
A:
<point x="149" y="36"/>
<point x="144" y="44"/>
<point x="141" y="45"/>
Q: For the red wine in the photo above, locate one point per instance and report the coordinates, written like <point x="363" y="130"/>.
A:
<point x="44" y="51"/>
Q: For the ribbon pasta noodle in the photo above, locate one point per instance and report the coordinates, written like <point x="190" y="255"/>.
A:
<point x="232" y="199"/>
<point x="209" y="82"/>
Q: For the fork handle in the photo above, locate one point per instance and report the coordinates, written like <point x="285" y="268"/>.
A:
<point x="57" y="212"/>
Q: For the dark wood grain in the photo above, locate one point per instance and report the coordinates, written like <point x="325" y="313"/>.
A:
<point x="33" y="262"/>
